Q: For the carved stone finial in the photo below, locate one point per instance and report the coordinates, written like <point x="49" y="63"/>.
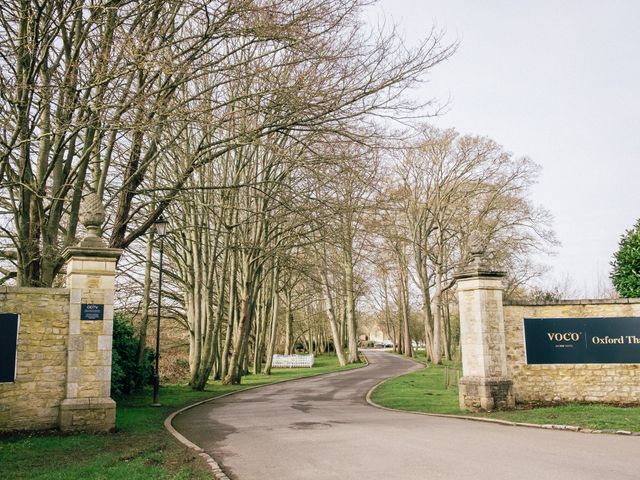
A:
<point x="479" y="265"/>
<point x="92" y="216"/>
<point x="476" y="245"/>
<point x="477" y="249"/>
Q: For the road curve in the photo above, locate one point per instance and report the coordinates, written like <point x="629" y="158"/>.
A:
<point x="322" y="428"/>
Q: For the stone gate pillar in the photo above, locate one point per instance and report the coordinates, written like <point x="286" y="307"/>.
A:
<point x="91" y="270"/>
<point x="484" y="384"/>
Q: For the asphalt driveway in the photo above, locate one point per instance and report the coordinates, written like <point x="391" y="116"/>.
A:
<point x="322" y="428"/>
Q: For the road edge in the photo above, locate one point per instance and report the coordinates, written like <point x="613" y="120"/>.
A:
<point x="506" y="423"/>
<point x="216" y="469"/>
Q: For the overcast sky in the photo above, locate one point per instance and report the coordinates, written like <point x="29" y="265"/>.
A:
<point x="559" y="82"/>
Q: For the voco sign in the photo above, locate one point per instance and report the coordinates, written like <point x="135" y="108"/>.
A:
<point x="564" y="336"/>
<point x="582" y="340"/>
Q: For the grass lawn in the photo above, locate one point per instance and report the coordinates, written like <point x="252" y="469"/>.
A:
<point x="424" y="391"/>
<point x="140" y="449"/>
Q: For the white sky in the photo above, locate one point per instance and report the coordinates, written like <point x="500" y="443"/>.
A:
<point x="558" y="81"/>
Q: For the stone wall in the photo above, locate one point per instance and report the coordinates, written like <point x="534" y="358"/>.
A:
<point x="619" y="383"/>
<point x="33" y="400"/>
<point x="63" y="357"/>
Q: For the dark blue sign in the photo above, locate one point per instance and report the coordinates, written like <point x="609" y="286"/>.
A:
<point x="92" y="311"/>
<point x="582" y="340"/>
<point x="8" y="346"/>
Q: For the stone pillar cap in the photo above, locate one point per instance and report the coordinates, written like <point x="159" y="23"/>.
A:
<point x="91" y="252"/>
<point x="479" y="272"/>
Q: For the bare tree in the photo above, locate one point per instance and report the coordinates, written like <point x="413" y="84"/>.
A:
<point x="95" y="93"/>
<point x="451" y="185"/>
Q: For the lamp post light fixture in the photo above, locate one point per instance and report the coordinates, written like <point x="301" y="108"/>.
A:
<point x="161" y="230"/>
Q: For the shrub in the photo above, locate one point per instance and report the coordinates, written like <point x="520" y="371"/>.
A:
<point x="626" y="264"/>
<point x="126" y="377"/>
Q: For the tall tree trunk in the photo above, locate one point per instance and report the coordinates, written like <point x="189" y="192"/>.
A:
<point x="331" y="315"/>
<point x="240" y="336"/>
<point x="427" y="314"/>
<point x="437" y="318"/>
<point x="260" y="330"/>
<point x="447" y="330"/>
<point x="247" y="296"/>
<point x="288" y="335"/>
<point x="350" y="306"/>
<point x="403" y="298"/>
<point x="274" y="326"/>
<point x="233" y="319"/>
<point x="146" y="301"/>
<point x="391" y="328"/>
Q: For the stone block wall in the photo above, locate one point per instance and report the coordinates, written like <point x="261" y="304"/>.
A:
<point x="88" y="404"/>
<point x="617" y="383"/>
<point x="482" y="338"/>
<point x="63" y="357"/>
<point x="33" y="401"/>
<point x="485" y="384"/>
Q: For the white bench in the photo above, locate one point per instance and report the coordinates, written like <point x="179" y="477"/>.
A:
<point x="292" y="361"/>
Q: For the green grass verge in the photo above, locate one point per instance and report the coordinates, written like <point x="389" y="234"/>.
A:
<point x="424" y="391"/>
<point x="420" y="391"/>
<point x="141" y="448"/>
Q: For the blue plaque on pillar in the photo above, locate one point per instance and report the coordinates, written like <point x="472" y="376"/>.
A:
<point x="92" y="311"/>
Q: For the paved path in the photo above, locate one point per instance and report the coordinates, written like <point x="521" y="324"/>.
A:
<point x="322" y="428"/>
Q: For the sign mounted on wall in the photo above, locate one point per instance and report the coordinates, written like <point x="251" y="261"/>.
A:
<point x="9" y="326"/>
<point x="582" y="340"/>
<point x="91" y="311"/>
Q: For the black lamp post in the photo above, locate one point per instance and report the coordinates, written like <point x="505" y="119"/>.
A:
<point x="161" y="230"/>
